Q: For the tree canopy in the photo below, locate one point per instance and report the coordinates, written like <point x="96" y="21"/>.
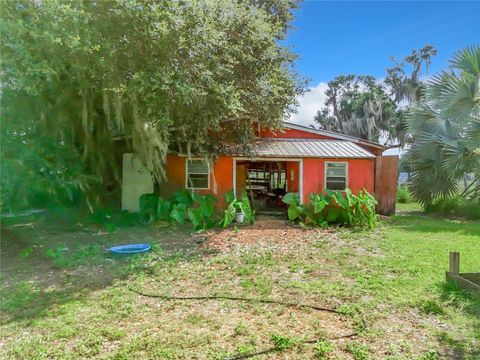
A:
<point x="358" y="106"/>
<point x="361" y="106"/>
<point x="161" y="75"/>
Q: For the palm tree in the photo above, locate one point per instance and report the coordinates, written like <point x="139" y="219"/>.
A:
<point x="445" y="124"/>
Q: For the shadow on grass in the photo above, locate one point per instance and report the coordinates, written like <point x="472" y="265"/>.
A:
<point x="467" y="303"/>
<point x="429" y="224"/>
<point x="35" y="281"/>
<point x="32" y="300"/>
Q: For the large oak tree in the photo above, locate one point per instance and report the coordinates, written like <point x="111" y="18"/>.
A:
<point x="192" y="75"/>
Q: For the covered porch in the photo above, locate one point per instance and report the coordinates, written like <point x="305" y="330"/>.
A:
<point x="267" y="180"/>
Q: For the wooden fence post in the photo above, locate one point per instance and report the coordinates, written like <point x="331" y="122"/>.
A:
<point x="454" y="262"/>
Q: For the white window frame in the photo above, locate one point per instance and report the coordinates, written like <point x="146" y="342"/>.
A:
<point x="325" y="173"/>
<point x="186" y="174"/>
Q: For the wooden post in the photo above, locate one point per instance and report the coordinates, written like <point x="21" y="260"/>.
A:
<point x="251" y="190"/>
<point x="454" y="262"/>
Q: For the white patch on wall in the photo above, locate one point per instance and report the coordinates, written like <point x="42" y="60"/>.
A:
<point x="136" y="181"/>
<point x="309" y="104"/>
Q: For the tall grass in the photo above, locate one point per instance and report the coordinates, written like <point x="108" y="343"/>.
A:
<point x="403" y="195"/>
<point x="455" y="207"/>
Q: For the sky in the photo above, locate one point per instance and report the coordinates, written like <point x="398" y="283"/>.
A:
<point x="339" y="37"/>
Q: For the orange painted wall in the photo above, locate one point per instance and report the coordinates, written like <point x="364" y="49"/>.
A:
<point x="221" y="178"/>
<point x="360" y="175"/>
<point x="292" y="182"/>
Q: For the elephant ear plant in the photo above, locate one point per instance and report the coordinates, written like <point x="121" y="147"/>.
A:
<point x="234" y="205"/>
<point x="306" y="215"/>
<point x="183" y="205"/>
<point x="333" y="207"/>
<point x="202" y="216"/>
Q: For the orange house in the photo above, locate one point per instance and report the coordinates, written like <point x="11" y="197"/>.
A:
<point x="296" y="159"/>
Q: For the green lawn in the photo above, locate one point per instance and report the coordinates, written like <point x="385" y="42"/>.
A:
<point x="76" y="303"/>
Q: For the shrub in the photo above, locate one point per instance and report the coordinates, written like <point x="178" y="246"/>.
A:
<point x="403" y="195"/>
<point x="455" y="207"/>
<point x="333" y="207"/>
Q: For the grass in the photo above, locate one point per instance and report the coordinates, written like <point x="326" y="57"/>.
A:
<point x="393" y="277"/>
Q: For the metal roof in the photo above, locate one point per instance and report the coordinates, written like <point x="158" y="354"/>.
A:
<point x="332" y="134"/>
<point x="301" y="148"/>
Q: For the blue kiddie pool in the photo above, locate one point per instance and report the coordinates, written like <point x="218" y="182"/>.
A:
<point x="130" y="249"/>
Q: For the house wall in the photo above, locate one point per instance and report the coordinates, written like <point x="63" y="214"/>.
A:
<point x="292" y="175"/>
<point x="360" y="175"/>
<point x="221" y="178"/>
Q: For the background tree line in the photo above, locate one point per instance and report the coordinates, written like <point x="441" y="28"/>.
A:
<point x="362" y="106"/>
<point x="437" y="118"/>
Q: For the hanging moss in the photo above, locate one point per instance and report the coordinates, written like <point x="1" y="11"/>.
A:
<point x="187" y="75"/>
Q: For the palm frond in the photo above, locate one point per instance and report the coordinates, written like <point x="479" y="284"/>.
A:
<point x="446" y="128"/>
<point x="468" y="60"/>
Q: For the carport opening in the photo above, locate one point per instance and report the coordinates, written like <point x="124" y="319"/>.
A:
<point x="267" y="182"/>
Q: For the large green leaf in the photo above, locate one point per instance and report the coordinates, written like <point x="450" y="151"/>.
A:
<point x="229" y="214"/>
<point x="195" y="216"/>
<point x="178" y="213"/>
<point x="164" y="209"/>
<point x="246" y="209"/>
<point x="229" y="197"/>
<point x="291" y="198"/>
<point x="318" y="202"/>
<point x="293" y="212"/>
<point x="184" y="197"/>
<point x="207" y="206"/>
<point x="340" y="200"/>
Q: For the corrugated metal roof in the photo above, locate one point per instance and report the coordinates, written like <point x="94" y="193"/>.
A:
<point x="301" y="148"/>
<point x="333" y="134"/>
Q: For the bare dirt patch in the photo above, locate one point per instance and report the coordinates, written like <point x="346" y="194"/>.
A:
<point x="265" y="231"/>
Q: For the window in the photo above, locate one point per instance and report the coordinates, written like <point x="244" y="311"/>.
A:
<point x="336" y="175"/>
<point x="198" y="174"/>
